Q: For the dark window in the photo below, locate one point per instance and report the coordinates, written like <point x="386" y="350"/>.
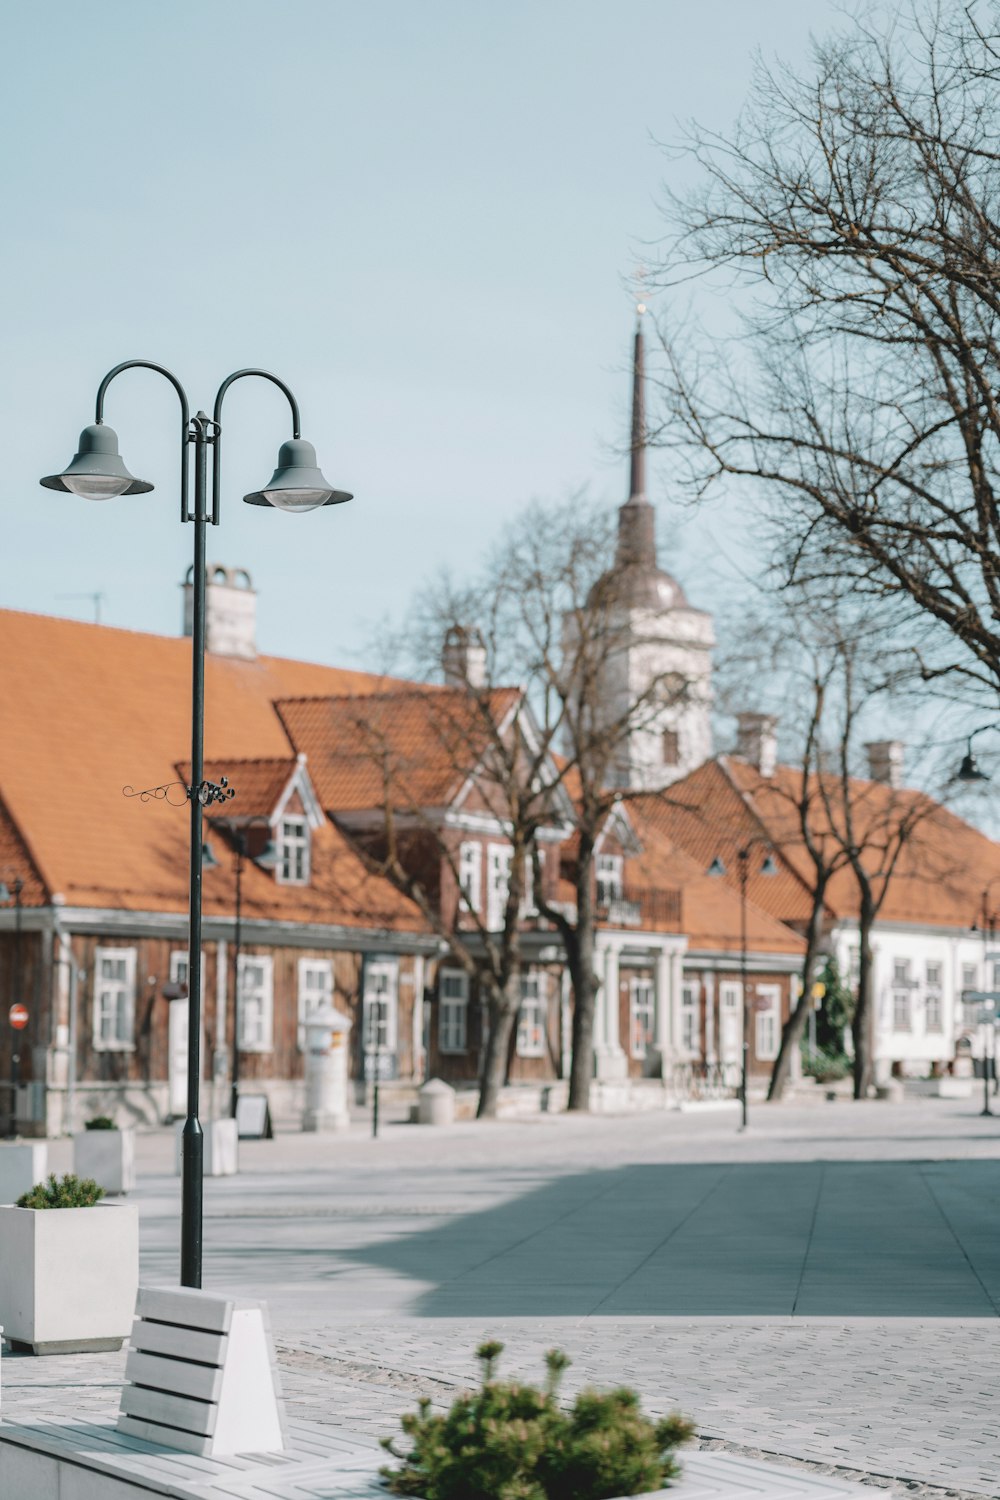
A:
<point x="671" y="747"/>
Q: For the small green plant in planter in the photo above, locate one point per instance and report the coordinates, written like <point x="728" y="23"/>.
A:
<point x="64" y="1192"/>
<point x="100" y="1122"/>
<point x="515" y="1442"/>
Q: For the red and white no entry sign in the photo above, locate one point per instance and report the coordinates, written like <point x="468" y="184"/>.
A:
<point x="18" y="1017"/>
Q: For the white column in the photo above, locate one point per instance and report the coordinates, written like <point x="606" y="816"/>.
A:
<point x="612" y="1000"/>
<point x="566" y="1022"/>
<point x="221" y="1062"/>
<point x="419" y="1060"/>
<point x="676" y="995"/>
<point x="661" y="983"/>
<point x="711" y="1054"/>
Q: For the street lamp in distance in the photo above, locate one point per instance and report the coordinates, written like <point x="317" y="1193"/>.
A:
<point x="768" y="867"/>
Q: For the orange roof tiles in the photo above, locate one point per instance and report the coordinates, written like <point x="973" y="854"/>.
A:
<point x="710" y="908"/>
<point x="89" y="710"/>
<point x="414" y="746"/>
<point x="720" y="807"/>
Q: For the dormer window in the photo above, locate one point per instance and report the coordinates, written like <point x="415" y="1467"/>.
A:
<point x="293" y="852"/>
<point x="609" y="878"/>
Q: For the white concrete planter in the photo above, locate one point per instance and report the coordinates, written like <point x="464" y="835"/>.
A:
<point x="222" y="1146"/>
<point x="22" y="1164"/>
<point x="108" y="1156"/>
<point x="69" y="1276"/>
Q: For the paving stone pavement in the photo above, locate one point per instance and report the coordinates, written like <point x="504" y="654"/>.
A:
<point x="375" y="1255"/>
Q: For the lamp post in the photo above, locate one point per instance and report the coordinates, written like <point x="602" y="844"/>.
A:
<point x="97" y="472"/>
<point x="14" y="894"/>
<point x="768" y="867"/>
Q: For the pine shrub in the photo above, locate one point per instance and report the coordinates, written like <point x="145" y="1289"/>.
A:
<point x="508" y="1441"/>
<point x="99" y="1122"/>
<point x="65" y="1192"/>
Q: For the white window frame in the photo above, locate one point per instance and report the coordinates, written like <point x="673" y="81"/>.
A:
<point x="498" y="858"/>
<point x="902" y="1010"/>
<point x="179" y="968"/>
<point x="470" y="876"/>
<point x="262" y="1039"/>
<point x="453" y="1012"/>
<point x="293" y="850"/>
<point x="532" y="1016"/>
<point x="312" y="996"/>
<point x="121" y="1036"/>
<point x="609" y="873"/>
<point x="730" y="1009"/>
<point x="690" y="1037"/>
<point x="387" y="998"/>
<point x="934" y="1011"/>
<point x="642" y="1014"/>
<point x="767" y="1037"/>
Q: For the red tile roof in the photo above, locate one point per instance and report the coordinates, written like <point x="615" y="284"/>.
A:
<point x="720" y="807"/>
<point x="420" y="744"/>
<point x="89" y="710"/>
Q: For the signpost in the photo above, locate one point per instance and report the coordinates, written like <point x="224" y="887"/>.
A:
<point x="18" y="1018"/>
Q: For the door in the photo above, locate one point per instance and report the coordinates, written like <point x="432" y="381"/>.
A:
<point x="177" y="1055"/>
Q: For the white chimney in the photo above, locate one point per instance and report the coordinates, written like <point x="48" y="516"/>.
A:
<point x="885" y="761"/>
<point x="230" y="611"/>
<point x="757" y="741"/>
<point x="464" y="657"/>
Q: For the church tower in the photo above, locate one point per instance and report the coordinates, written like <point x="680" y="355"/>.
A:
<point x="661" y="659"/>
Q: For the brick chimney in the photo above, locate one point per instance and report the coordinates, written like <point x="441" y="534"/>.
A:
<point x="885" y="761"/>
<point x="757" y="741"/>
<point x="464" y="657"/>
<point x="230" y="611"/>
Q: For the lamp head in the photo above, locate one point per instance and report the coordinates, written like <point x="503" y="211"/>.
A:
<point x="268" y="857"/>
<point x="96" y="471"/>
<point x="297" y="484"/>
<point x="969" y="770"/>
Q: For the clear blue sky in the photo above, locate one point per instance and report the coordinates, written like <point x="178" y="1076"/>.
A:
<point x="420" y="213"/>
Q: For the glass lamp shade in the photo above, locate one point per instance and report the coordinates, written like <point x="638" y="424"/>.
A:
<point x="297" y="484"/>
<point x="97" y="472"/>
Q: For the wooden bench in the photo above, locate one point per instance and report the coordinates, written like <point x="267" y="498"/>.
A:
<point x="201" y="1374"/>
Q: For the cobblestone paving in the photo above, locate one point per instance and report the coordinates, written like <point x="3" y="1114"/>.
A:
<point x="327" y="1232"/>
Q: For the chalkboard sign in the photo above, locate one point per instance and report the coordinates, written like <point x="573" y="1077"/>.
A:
<point x="253" y="1118"/>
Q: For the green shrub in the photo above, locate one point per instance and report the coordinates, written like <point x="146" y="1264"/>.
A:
<point x="826" y="1067"/>
<point x="65" y="1192"/>
<point x="100" y="1122"/>
<point x="514" y="1442"/>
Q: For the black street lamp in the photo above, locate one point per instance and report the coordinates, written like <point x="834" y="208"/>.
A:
<point x="97" y="472"/>
<point x="969" y="769"/>
<point x="14" y="894"/>
<point x="768" y="867"/>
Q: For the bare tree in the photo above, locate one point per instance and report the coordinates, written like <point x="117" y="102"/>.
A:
<point x="839" y="671"/>
<point x="551" y="615"/>
<point x="417" y="752"/>
<point x="854" y="214"/>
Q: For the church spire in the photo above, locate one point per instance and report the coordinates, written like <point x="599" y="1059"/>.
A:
<point x="637" y="468"/>
<point x="636" y="518"/>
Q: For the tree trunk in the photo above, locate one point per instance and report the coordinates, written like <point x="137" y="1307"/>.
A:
<point x="863" y="1010"/>
<point x="503" y="1015"/>
<point x="581" y="968"/>
<point x="791" y="1032"/>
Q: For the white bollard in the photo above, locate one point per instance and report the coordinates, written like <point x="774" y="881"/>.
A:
<point x="327" y="1033"/>
<point x="436" y="1104"/>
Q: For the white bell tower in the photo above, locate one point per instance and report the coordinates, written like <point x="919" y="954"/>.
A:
<point x="666" y="644"/>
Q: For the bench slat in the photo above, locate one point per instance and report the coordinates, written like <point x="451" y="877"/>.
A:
<point x="197" y="1417"/>
<point x="174" y="1375"/>
<point x="184" y="1343"/>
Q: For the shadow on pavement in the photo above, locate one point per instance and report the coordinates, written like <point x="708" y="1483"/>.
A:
<point x="821" y="1239"/>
